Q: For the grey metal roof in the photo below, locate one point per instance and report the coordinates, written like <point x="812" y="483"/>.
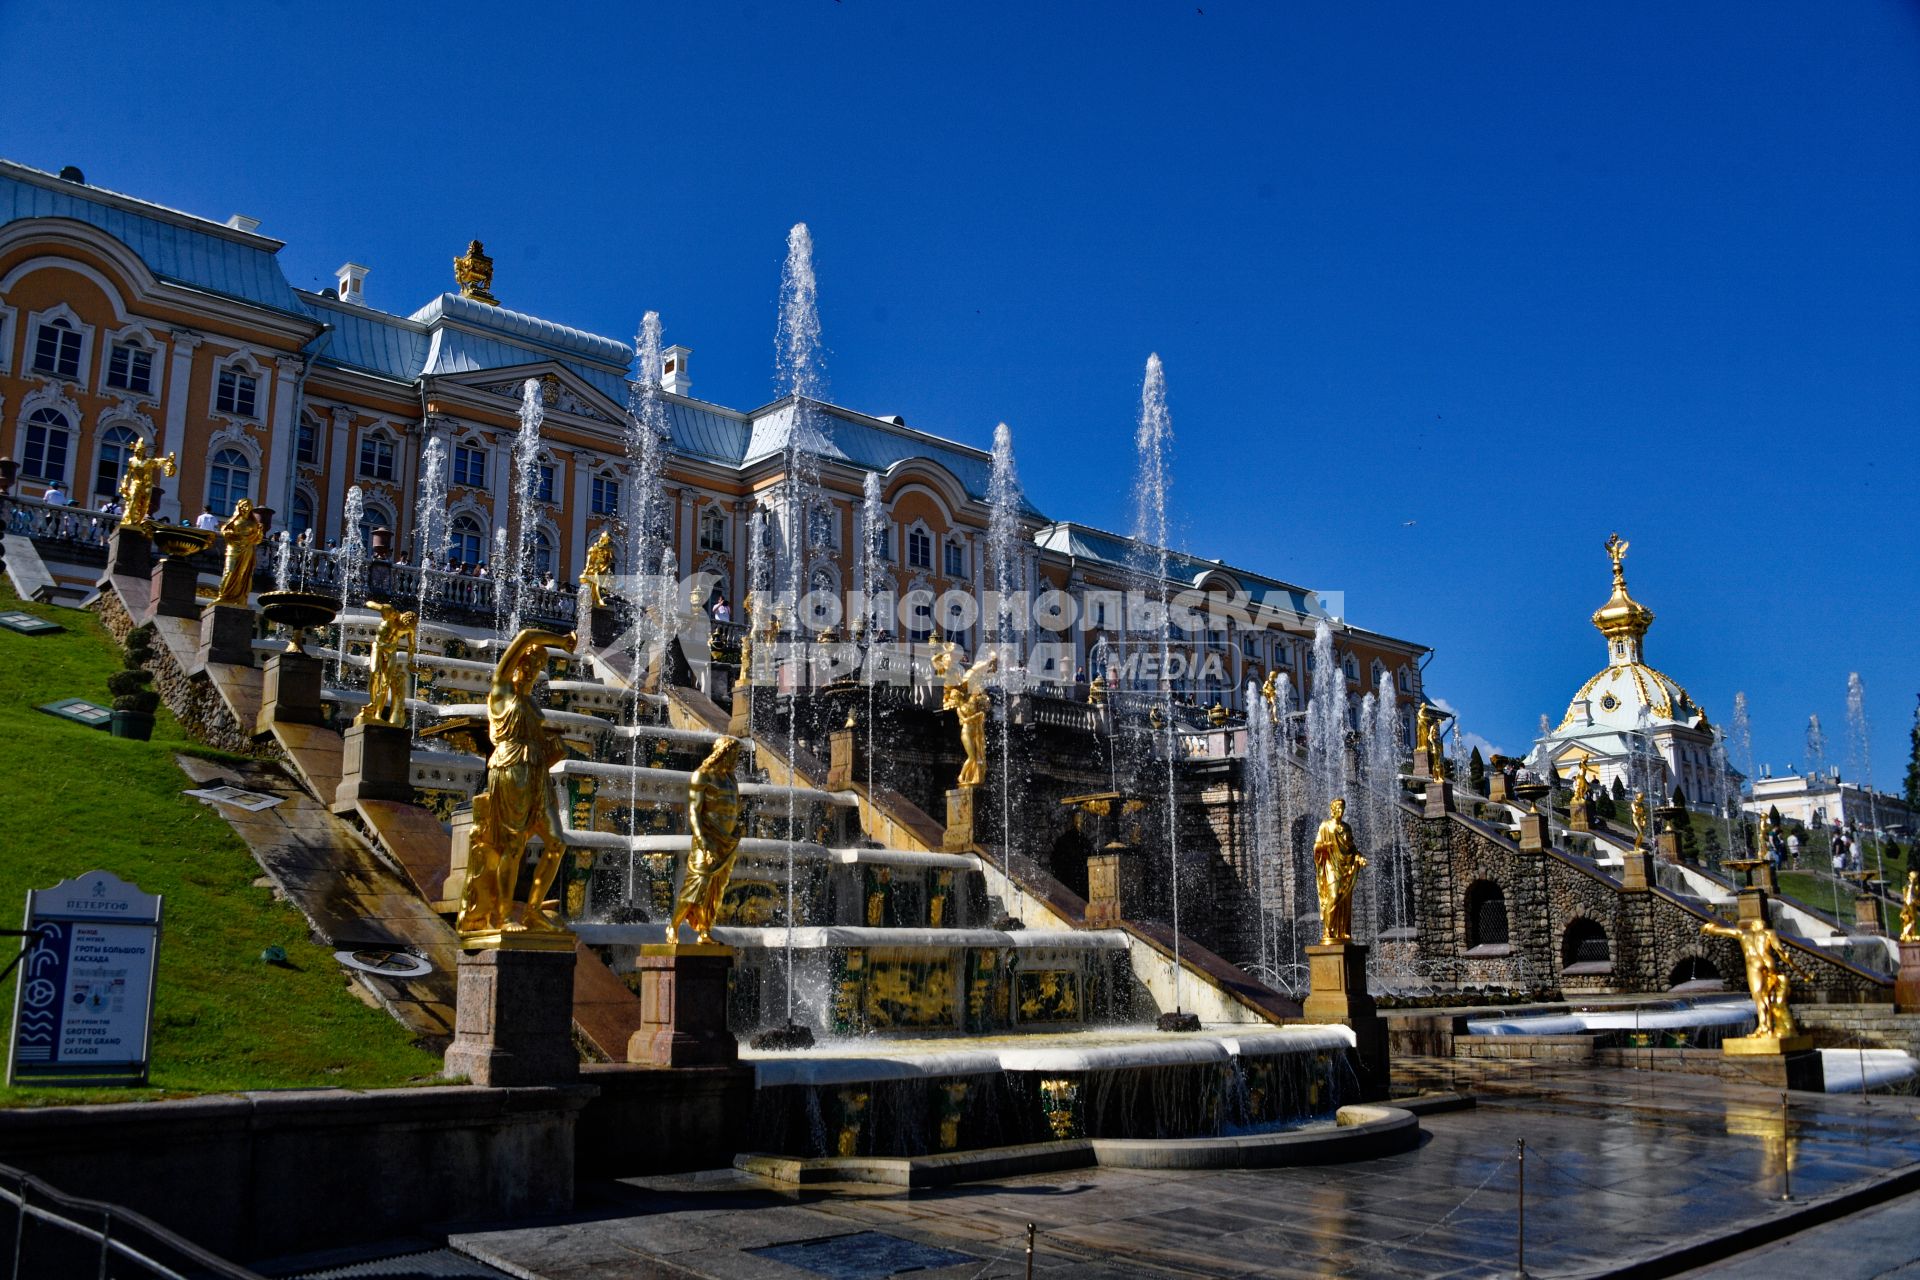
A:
<point x="451" y="350"/>
<point x="522" y="329"/>
<point x="370" y="340"/>
<point x="704" y="431"/>
<point x="177" y="247"/>
<point x="1087" y="543"/>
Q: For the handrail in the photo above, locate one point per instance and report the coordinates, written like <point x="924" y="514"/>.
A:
<point x="120" y="1233"/>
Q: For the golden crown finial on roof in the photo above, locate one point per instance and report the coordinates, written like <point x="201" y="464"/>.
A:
<point x="473" y="272"/>
<point x="1621" y="615"/>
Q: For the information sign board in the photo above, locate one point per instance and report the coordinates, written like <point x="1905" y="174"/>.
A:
<point x="83" y="998"/>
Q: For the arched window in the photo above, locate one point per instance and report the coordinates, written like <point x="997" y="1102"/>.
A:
<point x="956" y="559"/>
<point x="822" y="527"/>
<point x="1585" y="942"/>
<point x="542" y="552"/>
<point x="1351" y="666"/>
<point x="376" y="456"/>
<point x="919" y="548"/>
<point x="237" y="392"/>
<point x="130" y="366"/>
<point x="1404" y="679"/>
<point x="1694" y="969"/>
<point x="373" y="516"/>
<point x="229" y="479"/>
<point x="114" y="443"/>
<point x="606" y="495"/>
<point x="302" y="514"/>
<point x="56" y="349"/>
<point x="713" y="529"/>
<point x="467" y="543"/>
<point x="1486" y="915"/>
<point x="48" y="436"/>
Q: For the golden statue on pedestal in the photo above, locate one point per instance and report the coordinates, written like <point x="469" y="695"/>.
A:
<point x="599" y="568"/>
<point x="964" y="695"/>
<point x="1270" y="690"/>
<point x="139" y="483"/>
<point x="1336" y="863"/>
<point x="1910" y="909"/>
<point x="1426" y="730"/>
<point x="713" y="818"/>
<point x="1583" y="780"/>
<point x="1767" y="962"/>
<point x="1640" y="821"/>
<point x="242" y="533"/>
<point x="387" y="670"/>
<point x="473" y="272"/>
<point x="518" y="802"/>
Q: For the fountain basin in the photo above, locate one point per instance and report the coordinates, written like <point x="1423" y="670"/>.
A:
<point x="180" y="539"/>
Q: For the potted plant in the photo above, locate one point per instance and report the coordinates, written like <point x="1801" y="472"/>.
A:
<point x="133" y="701"/>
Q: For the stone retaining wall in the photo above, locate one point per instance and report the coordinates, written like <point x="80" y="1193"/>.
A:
<point x="193" y="700"/>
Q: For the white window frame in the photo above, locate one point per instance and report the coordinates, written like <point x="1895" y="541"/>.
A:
<point x="249" y="457"/>
<point x="712" y="516"/>
<point x="60" y="311"/>
<point x="240" y="364"/>
<point x="596" y="487"/>
<point x="453" y="467"/>
<point x="919" y="530"/>
<point x="137" y="336"/>
<point x="375" y="436"/>
<point x="953" y="557"/>
<point x="69" y="453"/>
<point x="7" y="318"/>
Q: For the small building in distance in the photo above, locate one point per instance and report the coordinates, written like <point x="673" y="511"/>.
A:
<point x="1821" y="800"/>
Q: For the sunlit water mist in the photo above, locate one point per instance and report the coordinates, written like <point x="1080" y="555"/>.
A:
<point x="1153" y="439"/>
<point x="1860" y="746"/>
<point x="873" y="530"/>
<point x="432" y="506"/>
<point x="1003" y="529"/>
<point x="525" y="492"/>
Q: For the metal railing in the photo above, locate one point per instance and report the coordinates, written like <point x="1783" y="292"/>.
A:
<point x="56" y="1234"/>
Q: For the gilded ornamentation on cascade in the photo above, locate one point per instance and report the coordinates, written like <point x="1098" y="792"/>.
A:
<point x="965" y="695"/>
<point x="1910" y="909"/>
<point x="1767" y="963"/>
<point x="1640" y="821"/>
<point x="242" y="533"/>
<point x="394" y="649"/>
<point x="599" y="568"/>
<point x="518" y="802"/>
<point x="473" y="272"/>
<point x="1270" y="690"/>
<point x="713" y="815"/>
<point x="1426" y="728"/>
<point x="139" y="486"/>
<point x="1583" y="779"/>
<point x="1336" y="864"/>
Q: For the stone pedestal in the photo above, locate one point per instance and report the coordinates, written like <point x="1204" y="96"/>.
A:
<point x="683" y="1007"/>
<point x="1533" y="833"/>
<point x="176" y="584"/>
<point x="603" y="626"/>
<point x="846" y="758"/>
<point x="1337" y="974"/>
<point x="1636" y="872"/>
<point x="959" y="835"/>
<point x="1115" y="881"/>
<point x="1668" y="843"/>
<point x="1422" y="767"/>
<point x="375" y="764"/>
<point x="1866" y="914"/>
<point x="1763" y="878"/>
<point x="740" y="719"/>
<point x="1906" y="987"/>
<point x="129" y="553"/>
<point x="513" y="1024"/>
<point x="1439" y="799"/>
<point x="1499" y="786"/>
<point x="1780" y="1062"/>
<point x="1580" y="817"/>
<point x="460" y="845"/>
<point x="290" y="692"/>
<point x="1753" y="905"/>
<point x="226" y="635"/>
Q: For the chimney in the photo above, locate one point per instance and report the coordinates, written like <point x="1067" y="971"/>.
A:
<point x="673" y="371"/>
<point x="353" y="278"/>
<point x="241" y="222"/>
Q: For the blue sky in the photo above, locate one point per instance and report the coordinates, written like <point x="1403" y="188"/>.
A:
<point x="1445" y="292"/>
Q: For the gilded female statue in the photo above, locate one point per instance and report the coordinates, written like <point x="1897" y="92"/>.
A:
<point x="1640" y="821"/>
<point x="242" y="533"/>
<point x="1336" y="863"/>
<point x="1270" y="690"/>
<point x="1426" y="728"/>
<point x="1582" y="781"/>
<point x="713" y="818"/>
<point x="138" y="484"/>
<point x="1767" y="962"/>
<point x="964" y="696"/>
<point x="387" y="670"/>
<point x="599" y="568"/>
<point x="518" y="802"/>
<point x="1910" y="909"/>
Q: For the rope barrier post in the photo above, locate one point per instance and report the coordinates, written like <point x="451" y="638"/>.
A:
<point x="1520" y="1240"/>
<point x="1786" y="1152"/>
<point x="1029" y="1251"/>
<point x="20" y="1229"/>
<point x="106" y="1242"/>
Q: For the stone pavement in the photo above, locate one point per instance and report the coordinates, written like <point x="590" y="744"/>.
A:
<point x="1882" y="1241"/>
<point x="1621" y="1167"/>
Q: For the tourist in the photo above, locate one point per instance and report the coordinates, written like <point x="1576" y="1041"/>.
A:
<point x="1793" y="849"/>
<point x="1840" y="848"/>
<point x="206" y="519"/>
<point x="722" y="611"/>
<point x="55" y="496"/>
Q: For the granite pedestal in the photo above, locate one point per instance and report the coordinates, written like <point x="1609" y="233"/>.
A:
<point x="1439" y="799"/>
<point x="129" y="553"/>
<point x="683" y="1007"/>
<point x="1337" y="977"/>
<point x="1779" y="1062"/>
<point x="603" y="626"/>
<point x="375" y="764"/>
<point x="1906" y="987"/>
<point x="226" y="635"/>
<point x="1866" y="913"/>
<point x="1533" y="833"/>
<point x="959" y="832"/>
<point x="176" y="585"/>
<point x="290" y="692"/>
<point x="513" y="1022"/>
<point x="1116" y="881"/>
<point x="1636" y="871"/>
<point x="846" y="758"/>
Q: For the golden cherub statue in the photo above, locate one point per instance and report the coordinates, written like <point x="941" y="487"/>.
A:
<point x="473" y="272"/>
<point x="139" y="483"/>
<point x="599" y="567"/>
<point x="518" y="802"/>
<point x="1336" y="863"/>
<point x="387" y="670"/>
<point x="713" y="818"/>
<point x="1270" y="690"/>
<point x="1910" y="909"/>
<point x="1767" y="962"/>
<point x="242" y="533"/>
<point x="968" y="699"/>
<point x="1640" y="820"/>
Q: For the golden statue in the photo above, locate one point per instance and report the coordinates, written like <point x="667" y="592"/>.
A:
<point x="1910" y="909"/>
<point x="713" y="818"/>
<point x="473" y="272"/>
<point x="1767" y="962"/>
<point x="1761" y="841"/>
<point x="139" y="482"/>
<point x="518" y="802"/>
<point x="1640" y="821"/>
<point x="242" y="533"/>
<point x="1617" y="552"/>
<point x="1426" y="728"/>
<point x="1270" y="690"/>
<point x="387" y="670"/>
<point x="964" y="695"/>
<point x="1583" y="780"/>
<point x="1216" y="714"/>
<point x="1097" y="691"/>
<point x="599" y="567"/>
<point x="1335" y="865"/>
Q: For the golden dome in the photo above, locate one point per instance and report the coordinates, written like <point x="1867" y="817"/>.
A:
<point x="1621" y="616"/>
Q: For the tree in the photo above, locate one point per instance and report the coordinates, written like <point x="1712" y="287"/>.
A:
<point x="1913" y="760"/>
<point x="1476" y="773"/>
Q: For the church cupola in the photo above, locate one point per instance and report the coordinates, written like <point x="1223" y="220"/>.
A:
<point x="1622" y="619"/>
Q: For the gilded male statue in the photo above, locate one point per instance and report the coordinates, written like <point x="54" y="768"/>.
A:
<point x="1767" y="962"/>
<point x="242" y="533"/>
<point x="1640" y="820"/>
<point x="1270" y="690"/>
<point x="599" y="568"/>
<point x="387" y="669"/>
<point x="965" y="696"/>
<point x="1910" y="909"/>
<point x="140" y="482"/>
<point x="713" y="818"/>
<point x="518" y="802"/>
<point x="1336" y="864"/>
<point x="1426" y="728"/>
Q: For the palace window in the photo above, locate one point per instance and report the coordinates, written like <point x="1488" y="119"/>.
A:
<point x="48" y="436"/>
<point x="306" y="446"/>
<point x="229" y="479"/>
<point x="883" y="542"/>
<point x="130" y="367"/>
<point x="373" y="516"/>
<point x="1404" y="680"/>
<point x="542" y="552"/>
<point x="1351" y="667"/>
<point x="302" y="514"/>
<point x="467" y="543"/>
<point x="543" y="482"/>
<point x="237" y="393"/>
<point x="919" y="549"/>
<point x="376" y="457"/>
<point x="822" y="528"/>
<point x="470" y="468"/>
<point x="956" y="559"/>
<point x="56" y="349"/>
<point x="606" y="496"/>
<point x="114" y="443"/>
<point x="713" y="530"/>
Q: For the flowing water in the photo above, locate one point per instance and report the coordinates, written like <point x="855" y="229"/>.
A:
<point x="282" y="560"/>
<point x="1003" y="528"/>
<point x="872" y="529"/>
<point x="432" y="507"/>
<point x="526" y="477"/>
<point x="648" y="534"/>
<point x="1154" y="441"/>
<point x="1860" y="746"/>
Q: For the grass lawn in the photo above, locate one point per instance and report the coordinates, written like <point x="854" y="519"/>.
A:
<point x="75" y="799"/>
